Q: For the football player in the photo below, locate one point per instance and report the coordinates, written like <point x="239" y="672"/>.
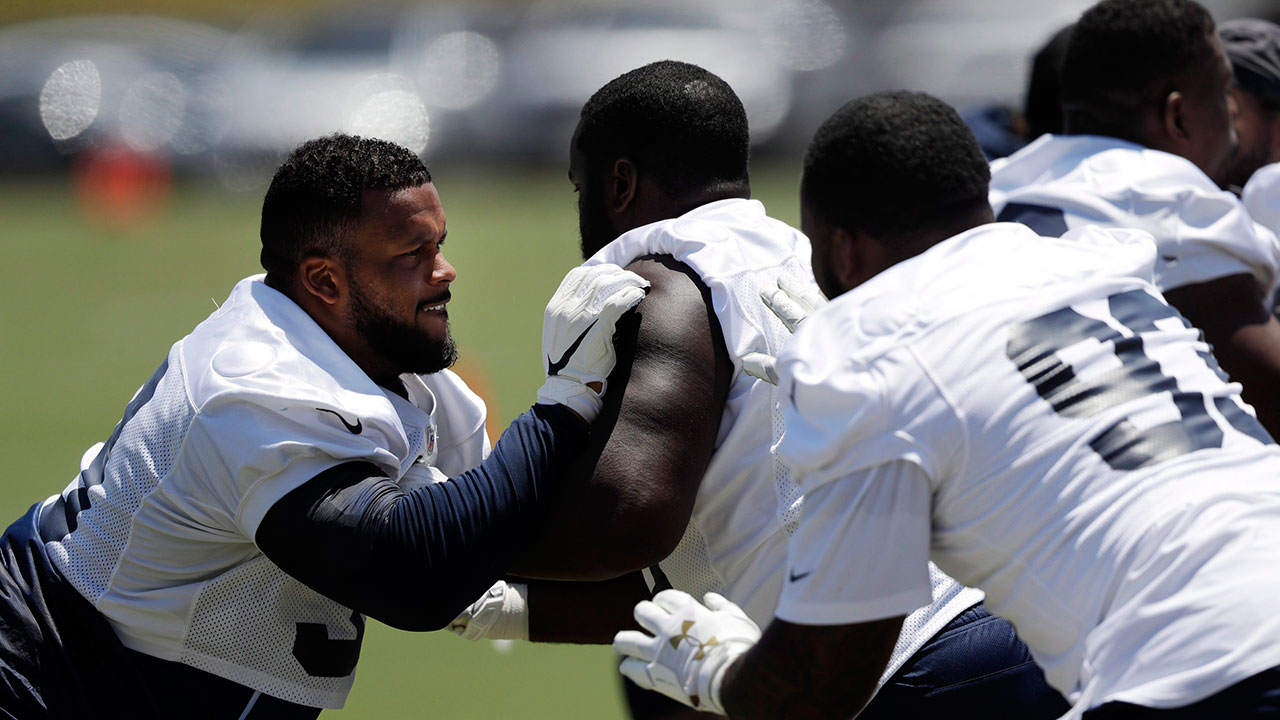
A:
<point x="1253" y="47"/>
<point x="1027" y="412"/>
<point x="687" y="478"/>
<point x="1147" y="138"/>
<point x="279" y="476"/>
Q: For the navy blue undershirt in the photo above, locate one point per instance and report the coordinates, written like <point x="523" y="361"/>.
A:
<point x="413" y="560"/>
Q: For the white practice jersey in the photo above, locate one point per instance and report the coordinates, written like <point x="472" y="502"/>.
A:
<point x="1061" y="182"/>
<point x="1072" y="449"/>
<point x="1261" y="196"/>
<point x="747" y="504"/>
<point x="253" y="403"/>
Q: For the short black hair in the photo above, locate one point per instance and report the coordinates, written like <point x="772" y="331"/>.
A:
<point x="895" y="165"/>
<point x="314" y="198"/>
<point x="1043" y="109"/>
<point x="678" y="122"/>
<point x="1125" y="56"/>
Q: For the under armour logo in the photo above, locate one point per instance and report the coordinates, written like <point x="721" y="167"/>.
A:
<point x="684" y="633"/>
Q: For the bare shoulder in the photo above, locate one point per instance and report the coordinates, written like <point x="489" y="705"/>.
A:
<point x="677" y="314"/>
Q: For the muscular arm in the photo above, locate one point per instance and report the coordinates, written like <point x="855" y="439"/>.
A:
<point x="583" y="612"/>
<point x="414" y="560"/>
<point x="1245" y="337"/>
<point x="628" y="499"/>
<point x="809" y="672"/>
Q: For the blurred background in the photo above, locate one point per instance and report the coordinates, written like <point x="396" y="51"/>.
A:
<point x="137" y="138"/>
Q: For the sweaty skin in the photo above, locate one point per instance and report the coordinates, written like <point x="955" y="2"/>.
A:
<point x="628" y="500"/>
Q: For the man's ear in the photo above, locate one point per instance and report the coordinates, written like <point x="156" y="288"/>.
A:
<point x="1173" y="117"/>
<point x="322" y="278"/>
<point x="624" y="180"/>
<point x="844" y="257"/>
<point x="856" y="257"/>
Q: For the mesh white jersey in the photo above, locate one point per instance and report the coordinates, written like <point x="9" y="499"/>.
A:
<point x="1061" y="182"/>
<point x="1080" y="458"/>
<point x="747" y="505"/>
<point x="253" y="403"/>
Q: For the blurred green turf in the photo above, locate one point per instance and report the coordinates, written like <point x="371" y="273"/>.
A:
<point x="87" y="313"/>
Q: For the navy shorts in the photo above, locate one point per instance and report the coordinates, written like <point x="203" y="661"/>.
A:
<point x="58" y="656"/>
<point x="1256" y="696"/>
<point x="975" y="668"/>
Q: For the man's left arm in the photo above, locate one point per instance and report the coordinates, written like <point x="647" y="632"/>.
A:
<point x="629" y="496"/>
<point x="809" y="671"/>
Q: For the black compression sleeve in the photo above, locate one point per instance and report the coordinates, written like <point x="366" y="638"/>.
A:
<point x="414" y="560"/>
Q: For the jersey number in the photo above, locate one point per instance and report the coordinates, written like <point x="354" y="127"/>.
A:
<point x="321" y="656"/>
<point x="1034" y="346"/>
<point x="1046" y="221"/>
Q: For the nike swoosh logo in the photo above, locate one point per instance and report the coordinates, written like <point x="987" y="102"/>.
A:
<point x="797" y="577"/>
<point x="353" y="429"/>
<point x="554" y="368"/>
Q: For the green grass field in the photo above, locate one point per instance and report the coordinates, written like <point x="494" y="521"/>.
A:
<point x="86" y="314"/>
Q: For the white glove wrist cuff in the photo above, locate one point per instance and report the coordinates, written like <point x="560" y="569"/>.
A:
<point x="513" y="622"/>
<point x="502" y="613"/>
<point x="711" y="699"/>
<point x="573" y="394"/>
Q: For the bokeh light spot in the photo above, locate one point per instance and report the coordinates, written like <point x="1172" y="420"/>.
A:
<point x="805" y="34"/>
<point x="460" y="69"/>
<point x="396" y="115"/>
<point x="70" y="99"/>
<point x="152" y="111"/>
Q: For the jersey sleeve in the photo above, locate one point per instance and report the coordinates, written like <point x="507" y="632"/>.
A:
<point x="251" y="453"/>
<point x="846" y="411"/>
<point x="861" y="550"/>
<point x="1216" y="237"/>
<point x="1261" y="198"/>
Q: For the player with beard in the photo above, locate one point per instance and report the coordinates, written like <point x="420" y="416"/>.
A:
<point x="280" y="476"/>
<point x="688" y="480"/>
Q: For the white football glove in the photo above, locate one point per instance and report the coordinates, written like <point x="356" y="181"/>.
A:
<point x="691" y="647"/>
<point x="792" y="304"/>
<point x="502" y="613"/>
<point x="577" y="334"/>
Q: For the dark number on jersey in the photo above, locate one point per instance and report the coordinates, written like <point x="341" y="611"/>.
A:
<point x="321" y="656"/>
<point x="1046" y="221"/>
<point x="1033" y="346"/>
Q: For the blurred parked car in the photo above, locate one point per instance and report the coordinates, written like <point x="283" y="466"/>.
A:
<point x="148" y="83"/>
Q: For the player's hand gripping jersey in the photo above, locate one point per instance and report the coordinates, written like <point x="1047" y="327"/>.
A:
<point x="1061" y="182"/>
<point x="1030" y="414"/>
